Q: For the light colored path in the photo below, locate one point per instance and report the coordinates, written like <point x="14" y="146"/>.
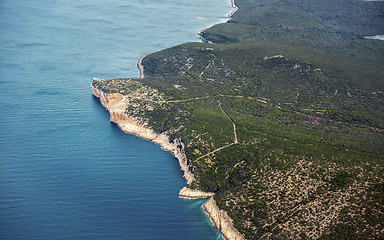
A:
<point x="187" y="100"/>
<point x="216" y="150"/>
<point x="221" y="148"/>
<point x="234" y="125"/>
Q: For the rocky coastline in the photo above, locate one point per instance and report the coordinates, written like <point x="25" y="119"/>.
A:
<point x="186" y="192"/>
<point x="234" y="10"/>
<point x="202" y="32"/>
<point x="116" y="104"/>
<point x="140" y="65"/>
<point x="221" y="221"/>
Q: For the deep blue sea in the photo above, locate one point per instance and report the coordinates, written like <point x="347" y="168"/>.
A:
<point x="66" y="172"/>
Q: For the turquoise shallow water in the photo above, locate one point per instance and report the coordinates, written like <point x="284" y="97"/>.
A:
<point x="65" y="171"/>
<point x="378" y="37"/>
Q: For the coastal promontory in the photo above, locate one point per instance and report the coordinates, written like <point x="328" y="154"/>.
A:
<point x="277" y="118"/>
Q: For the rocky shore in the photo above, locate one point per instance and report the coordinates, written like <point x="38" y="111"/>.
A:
<point x="186" y="192"/>
<point x="116" y="104"/>
<point x="221" y="221"/>
<point x="140" y="65"/>
<point x="202" y="32"/>
<point x="234" y="10"/>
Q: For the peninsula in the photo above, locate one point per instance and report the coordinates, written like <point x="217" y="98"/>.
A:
<point x="278" y="118"/>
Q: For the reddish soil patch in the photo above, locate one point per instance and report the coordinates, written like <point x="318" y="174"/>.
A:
<point x="316" y="120"/>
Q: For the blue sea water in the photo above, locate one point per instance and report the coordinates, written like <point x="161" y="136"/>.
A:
<point x="66" y="172"/>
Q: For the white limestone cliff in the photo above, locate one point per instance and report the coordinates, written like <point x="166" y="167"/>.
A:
<point x="116" y="104"/>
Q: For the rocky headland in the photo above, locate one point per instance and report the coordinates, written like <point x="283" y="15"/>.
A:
<point x="282" y="119"/>
<point x="186" y="192"/>
<point x="221" y="220"/>
<point x="116" y="104"/>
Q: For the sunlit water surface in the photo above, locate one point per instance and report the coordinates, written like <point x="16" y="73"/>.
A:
<point x="66" y="172"/>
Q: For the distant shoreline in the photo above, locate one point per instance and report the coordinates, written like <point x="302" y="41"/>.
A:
<point x="140" y="65"/>
<point x="140" y="62"/>
<point x="234" y="10"/>
<point x="229" y="17"/>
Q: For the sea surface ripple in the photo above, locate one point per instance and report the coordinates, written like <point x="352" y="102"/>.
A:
<point x="66" y="172"/>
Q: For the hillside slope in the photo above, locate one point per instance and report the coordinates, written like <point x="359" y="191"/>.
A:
<point x="283" y="117"/>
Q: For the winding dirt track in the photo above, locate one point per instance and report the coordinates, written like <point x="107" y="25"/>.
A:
<point x="235" y="141"/>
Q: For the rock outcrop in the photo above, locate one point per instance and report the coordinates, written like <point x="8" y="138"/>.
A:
<point x="116" y="104"/>
<point x="221" y="221"/>
<point x="192" y="193"/>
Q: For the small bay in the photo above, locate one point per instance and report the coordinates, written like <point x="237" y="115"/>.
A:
<point x="66" y="172"/>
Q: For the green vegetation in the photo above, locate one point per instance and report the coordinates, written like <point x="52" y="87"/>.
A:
<point x="283" y="117"/>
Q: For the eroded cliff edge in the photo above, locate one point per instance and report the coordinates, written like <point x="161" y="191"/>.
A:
<point x="306" y="157"/>
<point x="221" y="220"/>
<point x="116" y="104"/>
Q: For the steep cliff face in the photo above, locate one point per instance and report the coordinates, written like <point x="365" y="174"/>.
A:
<point x="116" y="104"/>
<point x="221" y="220"/>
